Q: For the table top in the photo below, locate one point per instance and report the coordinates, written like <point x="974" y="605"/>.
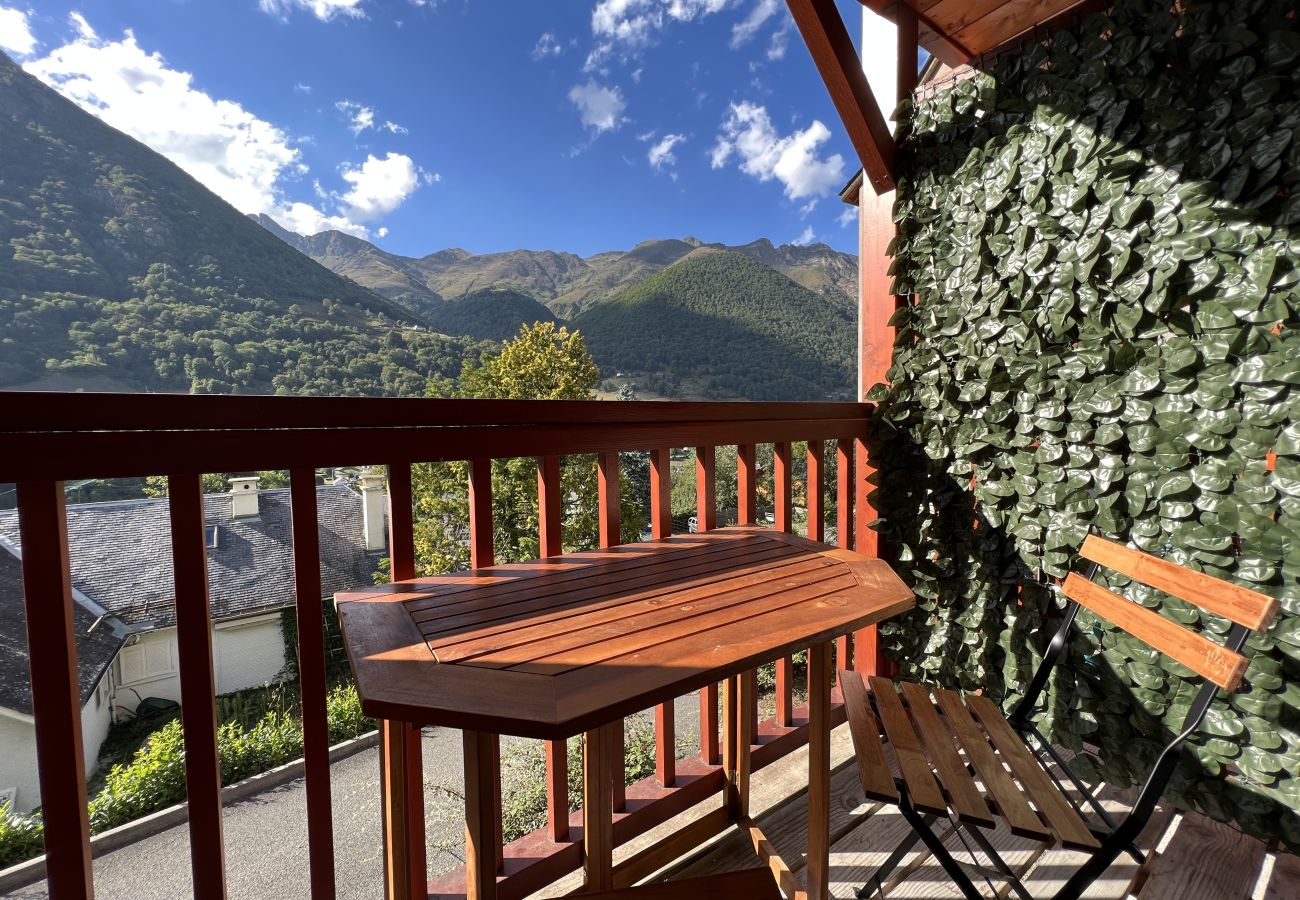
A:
<point x="553" y="647"/>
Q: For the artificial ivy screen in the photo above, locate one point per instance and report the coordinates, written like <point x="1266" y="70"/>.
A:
<point x="1102" y="237"/>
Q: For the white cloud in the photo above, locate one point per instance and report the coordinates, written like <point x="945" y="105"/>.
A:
<point x="246" y="160"/>
<point x="394" y="128"/>
<point x="780" y="40"/>
<point x="547" y="46"/>
<point x="848" y="217"/>
<point x="360" y="117"/>
<point x="383" y="233"/>
<point x="302" y="88"/>
<point x="83" y="27"/>
<point x="630" y="25"/>
<point x="379" y="186"/>
<point x="661" y="154"/>
<point x="601" y="108"/>
<point x="744" y="30"/>
<point x="805" y="238"/>
<point x="15" y="32"/>
<point x="748" y="134"/>
<point x="321" y="9"/>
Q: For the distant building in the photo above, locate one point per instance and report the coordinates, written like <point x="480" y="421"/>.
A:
<point x="126" y="611"/>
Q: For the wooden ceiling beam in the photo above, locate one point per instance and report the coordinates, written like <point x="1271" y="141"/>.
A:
<point x="837" y="60"/>
<point x="947" y="49"/>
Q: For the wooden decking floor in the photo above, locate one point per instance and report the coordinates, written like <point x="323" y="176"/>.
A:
<point x="1195" y="858"/>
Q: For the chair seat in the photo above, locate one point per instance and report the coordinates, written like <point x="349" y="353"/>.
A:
<point x="747" y="884"/>
<point x="929" y="729"/>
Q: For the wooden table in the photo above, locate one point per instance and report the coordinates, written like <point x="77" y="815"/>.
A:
<point x="572" y="644"/>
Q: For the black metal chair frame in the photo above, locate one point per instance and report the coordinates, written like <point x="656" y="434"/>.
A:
<point x="1115" y="838"/>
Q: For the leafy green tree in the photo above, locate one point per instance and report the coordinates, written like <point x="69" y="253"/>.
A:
<point x="219" y="483"/>
<point x="544" y="362"/>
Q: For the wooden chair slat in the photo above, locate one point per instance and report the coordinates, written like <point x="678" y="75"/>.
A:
<point x="1012" y="805"/>
<point x="967" y="801"/>
<point x="877" y="782"/>
<point x="1060" y="815"/>
<point x="1238" y="604"/>
<point x="1217" y="663"/>
<point x="924" y="791"/>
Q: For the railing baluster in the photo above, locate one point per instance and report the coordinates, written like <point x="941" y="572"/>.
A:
<point x="482" y="554"/>
<point x="816" y="491"/>
<point x="608" y="501"/>
<point x="661" y="526"/>
<point x="311" y="679"/>
<point x="482" y="820"/>
<point x="198" y="685"/>
<point x="746" y="482"/>
<point x="706" y="519"/>
<point x="56" y="692"/>
<point x="661" y="493"/>
<point x="557" y="752"/>
<point x="843" y="525"/>
<point x="401" y="771"/>
<point x="868" y="658"/>
<point x="784" y="521"/>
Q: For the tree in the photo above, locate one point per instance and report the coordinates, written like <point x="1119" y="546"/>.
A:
<point x="219" y="483"/>
<point x="544" y="362"/>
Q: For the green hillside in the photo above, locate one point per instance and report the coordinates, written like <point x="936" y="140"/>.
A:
<point x="118" y="270"/>
<point x="489" y="315"/>
<point x="730" y="325"/>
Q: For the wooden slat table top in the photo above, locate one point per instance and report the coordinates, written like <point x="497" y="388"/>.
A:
<point x="552" y="647"/>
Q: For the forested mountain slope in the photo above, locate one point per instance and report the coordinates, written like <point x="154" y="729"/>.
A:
<point x="118" y="270"/>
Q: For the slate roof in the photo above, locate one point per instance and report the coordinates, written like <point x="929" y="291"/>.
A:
<point x="97" y="644"/>
<point x="121" y="554"/>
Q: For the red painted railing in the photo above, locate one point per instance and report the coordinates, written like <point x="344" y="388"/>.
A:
<point x="47" y="438"/>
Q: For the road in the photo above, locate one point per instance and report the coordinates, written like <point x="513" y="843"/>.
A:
<point x="266" y="834"/>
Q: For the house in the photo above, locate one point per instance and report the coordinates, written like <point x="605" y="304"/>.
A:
<point x="125" y="602"/>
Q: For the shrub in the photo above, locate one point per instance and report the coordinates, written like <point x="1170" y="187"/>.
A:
<point x="343" y="712"/>
<point x="154" y="778"/>
<point x="21" y="837"/>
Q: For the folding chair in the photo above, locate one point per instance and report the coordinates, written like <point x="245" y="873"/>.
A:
<point x="922" y="723"/>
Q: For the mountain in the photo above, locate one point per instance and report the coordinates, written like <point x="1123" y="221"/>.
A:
<point x="565" y="282"/>
<point x="494" y="314"/>
<point x="724" y="324"/>
<point x="120" y="271"/>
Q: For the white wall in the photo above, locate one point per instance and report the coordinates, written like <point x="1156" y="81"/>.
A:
<point x="18" y="748"/>
<point x="18" y="760"/>
<point x="247" y="652"/>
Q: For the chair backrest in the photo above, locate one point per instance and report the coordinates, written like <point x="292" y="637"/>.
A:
<point x="1223" y="665"/>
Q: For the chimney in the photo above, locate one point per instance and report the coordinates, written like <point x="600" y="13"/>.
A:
<point x="243" y="497"/>
<point x="373" y="501"/>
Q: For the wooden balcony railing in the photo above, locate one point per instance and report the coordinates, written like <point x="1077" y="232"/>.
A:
<point x="47" y="438"/>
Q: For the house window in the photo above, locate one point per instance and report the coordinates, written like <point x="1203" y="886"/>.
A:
<point x="211" y="536"/>
<point x="147" y="660"/>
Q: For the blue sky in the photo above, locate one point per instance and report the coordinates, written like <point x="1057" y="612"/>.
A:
<point x="579" y="125"/>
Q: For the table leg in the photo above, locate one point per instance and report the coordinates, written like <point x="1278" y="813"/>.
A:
<point x="738" y="738"/>
<point x="482" y="841"/>
<point x="598" y="807"/>
<point x="817" y="876"/>
<point x="401" y="784"/>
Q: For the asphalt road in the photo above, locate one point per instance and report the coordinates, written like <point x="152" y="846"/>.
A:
<point x="266" y="834"/>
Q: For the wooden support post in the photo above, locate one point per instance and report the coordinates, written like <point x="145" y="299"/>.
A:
<point x="706" y="515"/>
<point x="785" y="691"/>
<point x="844" y="493"/>
<point x="661" y="493"/>
<point x="665" y="744"/>
<point x="746" y="483"/>
<point x="198" y="685"/>
<point x="481" y="553"/>
<point x="710" y="750"/>
<point x="908" y="49"/>
<point x="597" y="803"/>
<point x="737" y="702"/>
<point x="608" y="500"/>
<point x="401" y="772"/>
<point x="816" y="491"/>
<point x="310" y="619"/>
<point x="832" y="50"/>
<point x="56" y="690"/>
<point x="819" y="771"/>
<point x="482" y="830"/>
<point x="549" y="506"/>
<point x="781" y="486"/>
